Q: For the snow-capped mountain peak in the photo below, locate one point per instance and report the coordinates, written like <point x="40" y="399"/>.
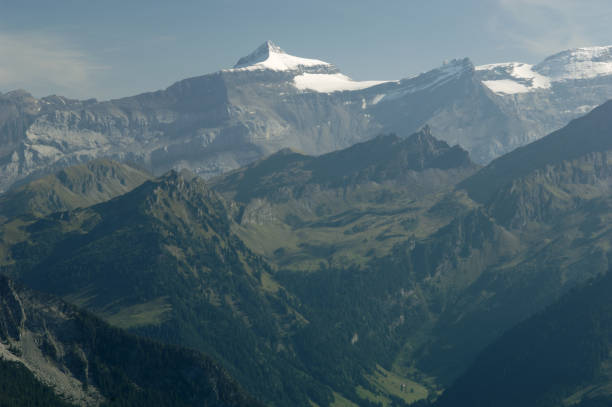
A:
<point x="271" y="56"/>
<point x="578" y="63"/>
<point x="574" y="64"/>
<point x="310" y="74"/>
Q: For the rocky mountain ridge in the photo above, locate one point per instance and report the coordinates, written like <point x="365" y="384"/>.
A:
<point x="272" y="100"/>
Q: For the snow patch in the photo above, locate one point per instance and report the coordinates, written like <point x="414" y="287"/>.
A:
<point x="377" y="98"/>
<point x="328" y="83"/>
<point x="583" y="109"/>
<point x="512" y="78"/>
<point x="507" y="86"/>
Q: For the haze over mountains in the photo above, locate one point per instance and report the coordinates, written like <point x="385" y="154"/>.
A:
<point x="327" y="242"/>
<point x="396" y="260"/>
<point x="271" y="100"/>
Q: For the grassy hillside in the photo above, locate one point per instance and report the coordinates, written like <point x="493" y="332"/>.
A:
<point x="348" y="206"/>
<point x="74" y="187"/>
<point x="161" y="261"/>
<point x="558" y="357"/>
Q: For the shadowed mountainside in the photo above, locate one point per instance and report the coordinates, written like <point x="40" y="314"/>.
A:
<point x="89" y="363"/>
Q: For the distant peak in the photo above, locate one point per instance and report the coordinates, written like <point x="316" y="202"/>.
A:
<point x="424" y="137"/>
<point x="461" y="64"/>
<point x="452" y="68"/>
<point x="286" y="151"/>
<point x="270" y="56"/>
<point x="19" y="94"/>
<point x="426" y="130"/>
<point x="577" y="63"/>
<point x="591" y="53"/>
<point x="272" y="47"/>
<point x="261" y="54"/>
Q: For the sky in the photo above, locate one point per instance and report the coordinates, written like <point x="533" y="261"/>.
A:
<point x="109" y="49"/>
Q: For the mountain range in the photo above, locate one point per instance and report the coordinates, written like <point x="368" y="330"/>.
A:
<point x="399" y="257"/>
<point x="162" y="261"/>
<point x="272" y="100"/>
<point x="523" y="231"/>
<point x="364" y="253"/>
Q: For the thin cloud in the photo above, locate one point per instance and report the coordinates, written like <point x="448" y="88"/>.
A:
<point x="45" y="64"/>
<point x="542" y="27"/>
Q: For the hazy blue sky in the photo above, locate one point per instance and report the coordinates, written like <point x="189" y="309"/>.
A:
<point x="108" y="48"/>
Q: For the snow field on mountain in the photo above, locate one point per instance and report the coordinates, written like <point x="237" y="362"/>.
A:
<point x="575" y="64"/>
<point x="514" y="77"/>
<point x="327" y="83"/>
<point x="579" y="63"/>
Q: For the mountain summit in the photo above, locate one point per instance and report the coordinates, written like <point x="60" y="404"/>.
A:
<point x="578" y="63"/>
<point x="270" y="56"/>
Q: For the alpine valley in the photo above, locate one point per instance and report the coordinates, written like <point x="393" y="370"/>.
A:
<point x="279" y="234"/>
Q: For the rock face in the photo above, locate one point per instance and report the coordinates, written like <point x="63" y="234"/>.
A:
<point x="34" y="338"/>
<point x="272" y="100"/>
<point x="585" y="141"/>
